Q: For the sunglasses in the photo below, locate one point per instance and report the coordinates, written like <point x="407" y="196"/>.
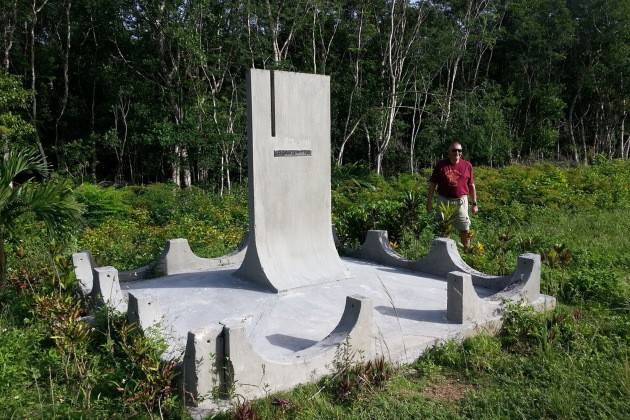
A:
<point x="457" y="150"/>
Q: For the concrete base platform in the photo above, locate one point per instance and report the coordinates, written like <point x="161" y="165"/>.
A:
<point x="408" y="315"/>
<point x="409" y="308"/>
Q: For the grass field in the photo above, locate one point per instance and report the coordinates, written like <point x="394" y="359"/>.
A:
<point x="570" y="363"/>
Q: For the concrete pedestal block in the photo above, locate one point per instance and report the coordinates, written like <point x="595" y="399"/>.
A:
<point x="463" y="303"/>
<point x="107" y="289"/>
<point x="204" y="364"/>
<point x="144" y="310"/>
<point x="83" y="269"/>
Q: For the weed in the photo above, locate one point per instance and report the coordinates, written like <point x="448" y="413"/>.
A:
<point x="572" y="362"/>
<point x="446" y="216"/>
<point x="352" y="375"/>
<point x="244" y="410"/>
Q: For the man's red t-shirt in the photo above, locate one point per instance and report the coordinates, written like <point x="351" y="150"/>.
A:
<point x="453" y="180"/>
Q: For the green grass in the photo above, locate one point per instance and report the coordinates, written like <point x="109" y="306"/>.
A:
<point x="570" y="363"/>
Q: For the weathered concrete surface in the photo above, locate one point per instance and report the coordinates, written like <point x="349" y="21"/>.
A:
<point x="106" y="289"/>
<point x="254" y="376"/>
<point x="213" y="316"/>
<point x="410" y="314"/>
<point x="83" y="266"/>
<point x="144" y="310"/>
<point x="291" y="243"/>
<point x="463" y="302"/>
<point x="203" y="366"/>
<point x="238" y="335"/>
<point x="176" y="258"/>
<point x="443" y="258"/>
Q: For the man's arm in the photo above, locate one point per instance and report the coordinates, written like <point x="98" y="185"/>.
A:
<point x="432" y="186"/>
<point x="473" y="195"/>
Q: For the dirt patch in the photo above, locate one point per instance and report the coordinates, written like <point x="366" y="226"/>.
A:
<point x="448" y="389"/>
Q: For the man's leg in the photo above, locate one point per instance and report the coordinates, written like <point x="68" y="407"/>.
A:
<point x="465" y="237"/>
<point x="462" y="223"/>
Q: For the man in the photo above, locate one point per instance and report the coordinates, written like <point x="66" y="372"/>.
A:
<point x="453" y="178"/>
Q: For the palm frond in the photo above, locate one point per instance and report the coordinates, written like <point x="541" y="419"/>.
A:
<point x="17" y="162"/>
<point x="53" y="203"/>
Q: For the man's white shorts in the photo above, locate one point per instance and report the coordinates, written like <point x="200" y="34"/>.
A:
<point x="461" y="220"/>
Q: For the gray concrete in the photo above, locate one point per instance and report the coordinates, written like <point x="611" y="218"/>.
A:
<point x="443" y="258"/>
<point x="463" y="304"/>
<point x="273" y="314"/>
<point x="144" y="310"/>
<point x="213" y="316"/>
<point x="106" y="289"/>
<point x="83" y="266"/>
<point x="176" y="258"/>
<point x="291" y="242"/>
<point x="204" y="365"/>
<point x="278" y="331"/>
<point x="254" y="376"/>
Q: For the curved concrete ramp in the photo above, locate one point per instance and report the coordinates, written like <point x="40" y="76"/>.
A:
<point x="176" y="258"/>
<point x="465" y="305"/>
<point x="289" y="182"/>
<point x="254" y="376"/>
<point x="443" y="258"/>
<point x="225" y="359"/>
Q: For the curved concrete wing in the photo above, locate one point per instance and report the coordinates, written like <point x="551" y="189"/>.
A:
<point x="465" y="305"/>
<point x="176" y="258"/>
<point x="222" y="359"/>
<point x="253" y="376"/>
<point x="443" y="258"/>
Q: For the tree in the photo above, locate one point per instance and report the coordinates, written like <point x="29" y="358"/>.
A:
<point x="13" y="99"/>
<point x="52" y="202"/>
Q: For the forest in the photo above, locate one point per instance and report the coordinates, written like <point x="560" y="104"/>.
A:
<point x="133" y="91"/>
<point x="123" y="125"/>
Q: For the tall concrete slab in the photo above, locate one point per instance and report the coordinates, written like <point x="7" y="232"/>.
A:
<point x="291" y="243"/>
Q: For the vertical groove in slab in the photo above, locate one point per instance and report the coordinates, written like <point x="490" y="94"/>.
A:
<point x="273" y="103"/>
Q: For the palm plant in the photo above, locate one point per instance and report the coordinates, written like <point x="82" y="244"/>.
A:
<point x="50" y="202"/>
<point x="447" y="214"/>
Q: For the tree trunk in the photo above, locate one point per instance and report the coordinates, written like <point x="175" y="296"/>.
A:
<point x="8" y="37"/>
<point x="35" y="10"/>
<point x="576" y="155"/>
<point x="3" y="260"/>
<point x="64" y="101"/>
<point x="93" y="145"/>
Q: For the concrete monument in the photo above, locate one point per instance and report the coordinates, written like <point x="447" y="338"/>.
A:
<point x="272" y="314"/>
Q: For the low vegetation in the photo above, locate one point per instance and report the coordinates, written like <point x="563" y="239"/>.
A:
<point x="572" y="362"/>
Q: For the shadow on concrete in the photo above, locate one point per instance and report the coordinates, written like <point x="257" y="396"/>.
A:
<point x="396" y="270"/>
<point x="289" y="342"/>
<point x="214" y="279"/>
<point x="437" y="316"/>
